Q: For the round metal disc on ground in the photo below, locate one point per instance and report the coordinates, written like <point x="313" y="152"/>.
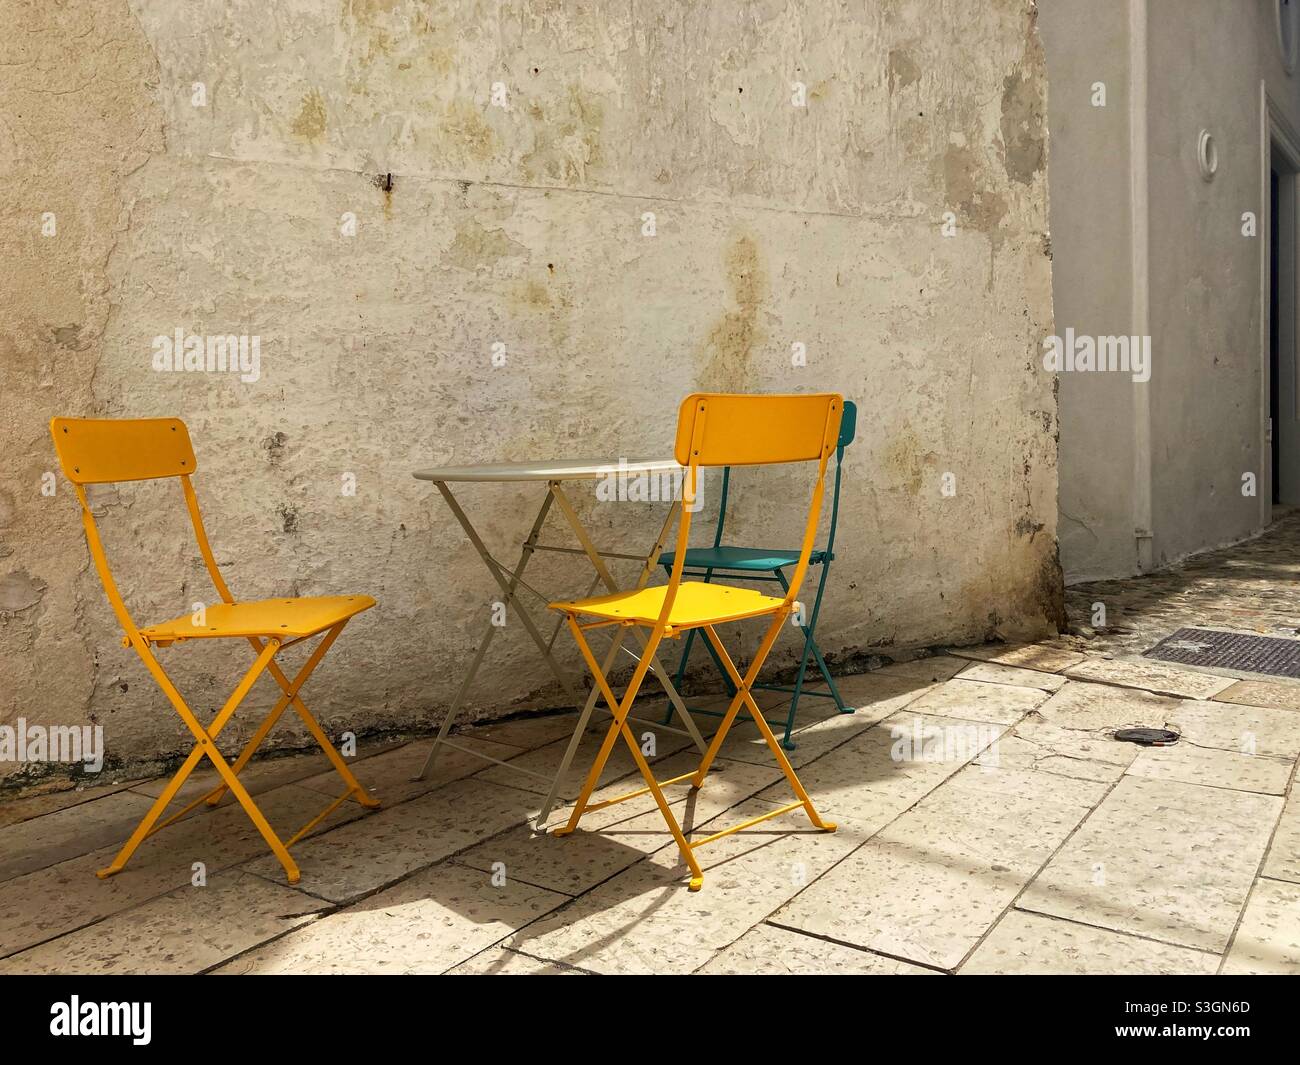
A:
<point x="1147" y="737"/>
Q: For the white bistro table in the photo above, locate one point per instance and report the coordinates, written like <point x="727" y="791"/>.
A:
<point x="552" y="475"/>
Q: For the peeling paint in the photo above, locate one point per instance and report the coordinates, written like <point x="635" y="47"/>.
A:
<point x="566" y="138"/>
<point x="977" y="206"/>
<point x="476" y="247"/>
<point x="310" y="123"/>
<point x="903" y="70"/>
<point x="729" y="349"/>
<point x="19" y="591"/>
<point x="907" y="461"/>
<point x="465" y="131"/>
<point x="1024" y="114"/>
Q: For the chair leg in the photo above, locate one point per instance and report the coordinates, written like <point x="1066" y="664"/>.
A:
<point x="292" y="697"/>
<point x="686" y="654"/>
<point x="810" y="646"/>
<point x="619" y="709"/>
<point x="681" y="672"/>
<point x="206" y="747"/>
<point x="336" y="760"/>
<point x="146" y="826"/>
<point x="830" y="682"/>
<point x="742" y="688"/>
<point x="744" y="695"/>
<point x="786" y="742"/>
<point x="619" y="727"/>
<point x="697" y="874"/>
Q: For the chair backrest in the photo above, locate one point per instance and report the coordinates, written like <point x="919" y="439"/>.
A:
<point x="718" y="429"/>
<point x="848" y="424"/>
<point x="105" y="450"/>
<point x="848" y="429"/>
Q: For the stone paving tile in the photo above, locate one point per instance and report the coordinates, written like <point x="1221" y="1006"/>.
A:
<point x="981" y="783"/>
<point x="16" y="807"/>
<point x="546" y="760"/>
<point x="644" y="920"/>
<point x="744" y="741"/>
<point x="873" y="699"/>
<point x="1231" y="727"/>
<point x="934" y="669"/>
<point x="1096" y="707"/>
<point x="867" y="691"/>
<point x="526" y="732"/>
<point x="1029" y="944"/>
<point x="498" y="961"/>
<point x="183" y="932"/>
<point x="1000" y="704"/>
<point x="992" y="673"/>
<point x="1147" y="675"/>
<point x="75" y="830"/>
<point x="72" y="896"/>
<point x="388" y="775"/>
<point x="1050" y="748"/>
<point x="1283" y="862"/>
<point x="928" y="886"/>
<point x="429" y="923"/>
<point x="1028" y="656"/>
<point x="1268" y="940"/>
<point x="386" y="845"/>
<point x="609" y="840"/>
<point x="1213" y="768"/>
<point x="654" y="709"/>
<point x="261" y="774"/>
<point x="770" y="951"/>
<point x="1281" y="695"/>
<point x="1162" y="859"/>
<point x="877" y="775"/>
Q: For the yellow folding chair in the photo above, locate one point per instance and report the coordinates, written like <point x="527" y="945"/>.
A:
<point x="712" y="430"/>
<point x="97" y="451"/>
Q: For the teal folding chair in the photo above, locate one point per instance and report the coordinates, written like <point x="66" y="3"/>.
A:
<point x="760" y="564"/>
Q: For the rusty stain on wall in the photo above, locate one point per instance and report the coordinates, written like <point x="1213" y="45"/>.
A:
<point x="906" y="461"/>
<point x="476" y="247"/>
<point x="975" y="203"/>
<point x="903" y="70"/>
<point x="566" y="138"/>
<point x="310" y="121"/>
<point x="1024" y="114"/>
<point x="730" y="345"/>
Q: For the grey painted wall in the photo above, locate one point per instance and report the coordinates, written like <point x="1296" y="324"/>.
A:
<point x="1204" y="61"/>
<point x="1092" y="277"/>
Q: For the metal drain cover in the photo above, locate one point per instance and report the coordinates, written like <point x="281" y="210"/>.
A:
<point x="1147" y="737"/>
<point x="1270" y="655"/>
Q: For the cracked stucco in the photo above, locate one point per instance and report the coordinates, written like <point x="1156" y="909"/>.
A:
<point x="520" y="225"/>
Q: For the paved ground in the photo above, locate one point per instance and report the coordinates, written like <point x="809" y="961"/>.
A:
<point x="988" y="823"/>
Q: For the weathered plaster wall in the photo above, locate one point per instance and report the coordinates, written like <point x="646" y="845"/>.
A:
<point x="774" y="225"/>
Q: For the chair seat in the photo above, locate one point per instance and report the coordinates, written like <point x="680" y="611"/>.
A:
<point x="696" y="604"/>
<point x="290" y="618"/>
<point x="753" y="559"/>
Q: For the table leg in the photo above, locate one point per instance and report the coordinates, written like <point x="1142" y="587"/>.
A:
<point x="524" y="556"/>
<point x="656" y="666"/>
<point x="507" y="588"/>
<point x="649" y="566"/>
